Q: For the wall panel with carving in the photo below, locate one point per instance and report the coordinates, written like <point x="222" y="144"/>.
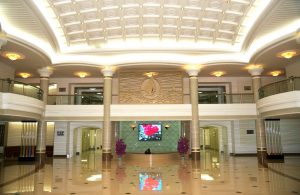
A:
<point x="164" y="87"/>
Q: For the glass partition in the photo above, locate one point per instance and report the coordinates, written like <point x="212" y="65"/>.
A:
<point x="226" y="98"/>
<point x="11" y="86"/>
<point x="290" y="84"/>
<point x="75" y="99"/>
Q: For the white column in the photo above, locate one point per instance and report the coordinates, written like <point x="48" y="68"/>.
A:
<point x="106" y="143"/>
<point x="260" y="126"/>
<point x="45" y="73"/>
<point x="195" y="131"/>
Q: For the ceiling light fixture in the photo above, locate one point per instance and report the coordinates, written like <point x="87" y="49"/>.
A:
<point x="13" y="55"/>
<point x="24" y="75"/>
<point x="275" y="73"/>
<point x="218" y="73"/>
<point x="151" y="74"/>
<point x="82" y="74"/>
<point x="288" y="54"/>
<point x="254" y="66"/>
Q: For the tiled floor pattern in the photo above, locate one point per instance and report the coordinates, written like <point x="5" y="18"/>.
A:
<point x="214" y="174"/>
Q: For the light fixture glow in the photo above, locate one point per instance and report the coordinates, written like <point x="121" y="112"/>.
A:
<point x="275" y="73"/>
<point x="24" y="75"/>
<point x="13" y="55"/>
<point x="82" y="74"/>
<point x="206" y="177"/>
<point x="151" y="74"/>
<point x="218" y="73"/>
<point x="288" y="54"/>
<point x="94" y="178"/>
<point x="254" y="66"/>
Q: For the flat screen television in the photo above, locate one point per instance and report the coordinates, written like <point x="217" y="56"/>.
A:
<point x="150" y="132"/>
<point x="150" y="181"/>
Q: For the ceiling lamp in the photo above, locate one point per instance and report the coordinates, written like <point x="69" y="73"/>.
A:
<point x="288" y="54"/>
<point x="13" y="55"/>
<point x="275" y="73"/>
<point x="151" y="74"/>
<point x="82" y="74"/>
<point x="218" y="73"/>
<point x="24" y="75"/>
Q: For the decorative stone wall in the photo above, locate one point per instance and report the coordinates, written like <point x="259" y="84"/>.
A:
<point x="137" y="88"/>
<point x="167" y="144"/>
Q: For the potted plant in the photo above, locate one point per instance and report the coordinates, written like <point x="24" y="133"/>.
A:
<point x="120" y="148"/>
<point x="183" y="146"/>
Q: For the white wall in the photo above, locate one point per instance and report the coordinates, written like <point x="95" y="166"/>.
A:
<point x="60" y="142"/>
<point x="6" y="71"/>
<point x="290" y="135"/>
<point x="244" y="143"/>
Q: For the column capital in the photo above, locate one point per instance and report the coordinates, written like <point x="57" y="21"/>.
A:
<point x="255" y="70"/>
<point x="45" y="72"/>
<point x="108" y="71"/>
<point x="3" y="39"/>
<point x="193" y="71"/>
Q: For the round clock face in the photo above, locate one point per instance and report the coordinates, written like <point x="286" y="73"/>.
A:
<point x="150" y="88"/>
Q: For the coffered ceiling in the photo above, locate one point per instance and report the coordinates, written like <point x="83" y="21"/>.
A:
<point x="96" y="22"/>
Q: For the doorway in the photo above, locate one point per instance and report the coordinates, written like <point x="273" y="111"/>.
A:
<point x="211" y="138"/>
<point x="87" y="139"/>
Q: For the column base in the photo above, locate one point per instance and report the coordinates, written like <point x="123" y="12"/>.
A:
<point x="195" y="155"/>
<point x="40" y="159"/>
<point x="262" y="158"/>
<point x="106" y="156"/>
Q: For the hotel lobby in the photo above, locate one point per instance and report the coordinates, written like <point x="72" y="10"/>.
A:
<point x="150" y="97"/>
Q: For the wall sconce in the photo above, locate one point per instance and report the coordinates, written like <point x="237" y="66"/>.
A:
<point x="133" y="126"/>
<point x="167" y="126"/>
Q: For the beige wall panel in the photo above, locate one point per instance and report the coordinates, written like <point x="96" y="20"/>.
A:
<point x="136" y="88"/>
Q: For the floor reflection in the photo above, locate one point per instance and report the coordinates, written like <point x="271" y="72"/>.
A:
<point x="214" y="174"/>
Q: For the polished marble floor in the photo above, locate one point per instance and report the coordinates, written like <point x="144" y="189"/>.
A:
<point x="214" y="174"/>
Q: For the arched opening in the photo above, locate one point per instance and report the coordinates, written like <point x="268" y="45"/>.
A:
<point x="87" y="139"/>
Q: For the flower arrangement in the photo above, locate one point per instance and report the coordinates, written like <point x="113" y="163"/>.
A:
<point x="120" y="147"/>
<point x="183" y="145"/>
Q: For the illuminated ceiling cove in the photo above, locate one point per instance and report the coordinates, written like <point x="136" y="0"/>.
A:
<point x="90" y="24"/>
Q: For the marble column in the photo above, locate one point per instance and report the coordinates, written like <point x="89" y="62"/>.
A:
<point x="106" y="140"/>
<point x="195" y="131"/>
<point x="40" y="150"/>
<point x="259" y="123"/>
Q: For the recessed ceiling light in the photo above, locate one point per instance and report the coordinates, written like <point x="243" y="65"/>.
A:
<point x="275" y="73"/>
<point x="288" y="54"/>
<point x="82" y="74"/>
<point x="12" y="55"/>
<point x="218" y="73"/>
<point x="24" y="75"/>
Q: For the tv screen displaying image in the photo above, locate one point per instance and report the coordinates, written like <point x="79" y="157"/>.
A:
<point x="150" y="181"/>
<point x="150" y="132"/>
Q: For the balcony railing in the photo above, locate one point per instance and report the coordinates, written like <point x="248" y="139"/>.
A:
<point x="75" y="99"/>
<point x="11" y="86"/>
<point x="241" y="98"/>
<point x="290" y="84"/>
